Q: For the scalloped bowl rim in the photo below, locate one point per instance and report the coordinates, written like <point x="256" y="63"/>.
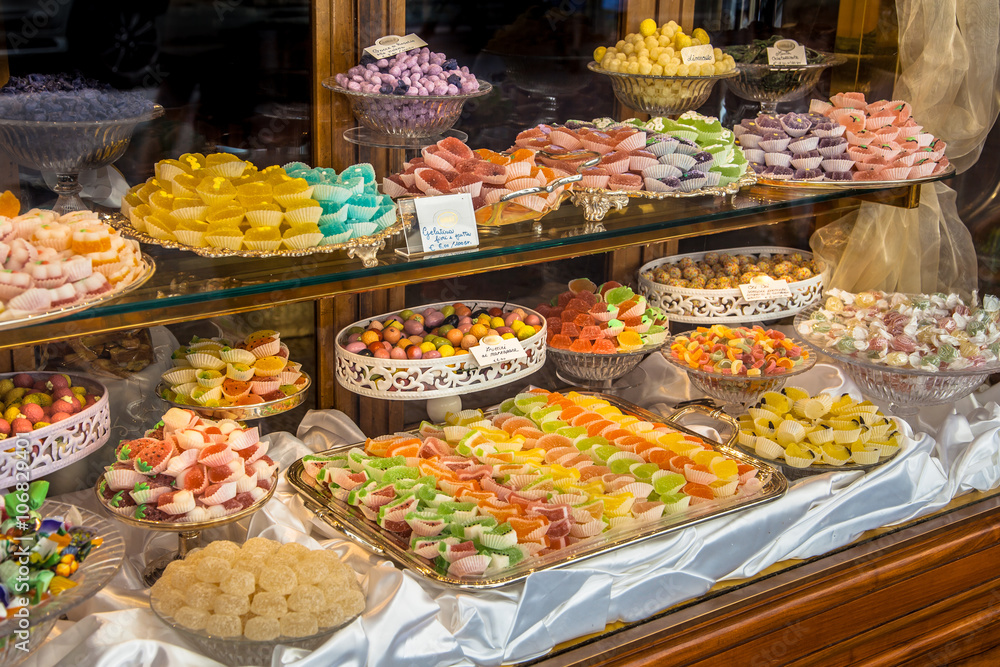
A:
<point x="830" y="60"/>
<point x="806" y="364"/>
<point x="485" y="87"/>
<point x="573" y="354"/>
<point x="155" y="112"/>
<point x="595" y="66"/>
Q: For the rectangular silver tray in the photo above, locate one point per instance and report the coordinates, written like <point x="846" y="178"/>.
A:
<point x="351" y="522"/>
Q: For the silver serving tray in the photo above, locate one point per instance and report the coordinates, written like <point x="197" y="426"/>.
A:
<point x="352" y="523"/>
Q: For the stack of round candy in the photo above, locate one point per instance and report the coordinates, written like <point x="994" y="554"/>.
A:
<point x="220" y="201"/>
<point x="659" y="155"/>
<point x="188" y="469"/>
<point x="415" y="73"/>
<point x="847" y="139"/>
<point x="450" y="167"/>
<point x="62" y="98"/>
<point x="51" y="261"/>
<point x="750" y="352"/>
<point x="33" y="402"/>
<point x="434" y="333"/>
<point x="728" y="270"/>
<point x="215" y="372"/>
<point x="259" y="591"/>
<point x="805" y="430"/>
<point x="922" y="331"/>
<point x="656" y="50"/>
<point x="481" y="494"/>
<point x="602" y="320"/>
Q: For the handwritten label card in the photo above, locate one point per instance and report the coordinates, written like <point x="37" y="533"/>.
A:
<point x="446" y="222"/>
<point x="765" y="288"/>
<point x="494" y="350"/>
<point x="391" y="45"/>
<point x="785" y="53"/>
<point x="703" y="53"/>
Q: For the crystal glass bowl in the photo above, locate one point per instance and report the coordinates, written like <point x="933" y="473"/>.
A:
<point x="94" y="574"/>
<point x="69" y="147"/>
<point x="597" y="367"/>
<point x="242" y="651"/>
<point x="905" y="389"/>
<point x="736" y="392"/>
<point x="661" y="95"/>
<point x="771" y="85"/>
<point x="406" y="116"/>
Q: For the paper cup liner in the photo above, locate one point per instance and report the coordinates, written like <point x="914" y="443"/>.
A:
<point x="907" y="131"/>
<point x="339" y="217"/>
<point x="263" y="246"/>
<point x="264" y="386"/>
<point x="360" y="229"/>
<point x="887" y="151"/>
<point x="832" y="460"/>
<point x="894" y="173"/>
<point x="208" y="396"/>
<point x="803" y="145"/>
<point x="229" y="242"/>
<point x="836" y="131"/>
<point x="661" y="170"/>
<point x="922" y="170"/>
<point x="122" y="479"/>
<point x="846" y="437"/>
<point x="777" y="159"/>
<point x="638" y="163"/>
<point x="692" y="184"/>
<point x="301" y="241"/>
<point x="724" y="489"/>
<point x="774" y="145"/>
<point x="879" y="120"/>
<point x="304" y="214"/>
<point x="518" y="170"/>
<point x="799" y="461"/>
<point x="749" y="140"/>
<point x="712" y="179"/>
<point x="334" y="239"/>
<point x="806" y="162"/>
<point x="617" y="164"/>
<point x="768" y="448"/>
<point x="905" y="160"/>
<point x="755" y="155"/>
<point x="679" y="160"/>
<point x="291" y="198"/>
<point x="242" y="376"/>
<point x="595" y="180"/>
<point x="866" y="456"/>
<point x="264" y="218"/>
<point x="612" y="332"/>
<point x="179" y="376"/>
<point x="532" y="202"/>
<point x="203" y="361"/>
<point x="830" y="165"/>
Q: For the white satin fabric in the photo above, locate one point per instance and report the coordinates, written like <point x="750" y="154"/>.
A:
<point x="411" y="622"/>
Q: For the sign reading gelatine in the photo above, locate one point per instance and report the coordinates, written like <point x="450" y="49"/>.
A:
<point x="446" y="222"/>
<point x="391" y="45"/>
<point x="494" y="350"/>
<point x="785" y="53"/>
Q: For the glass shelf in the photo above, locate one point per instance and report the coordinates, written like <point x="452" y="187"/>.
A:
<point x="187" y="287"/>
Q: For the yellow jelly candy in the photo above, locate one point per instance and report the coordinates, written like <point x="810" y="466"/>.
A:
<point x="629" y="339"/>
<point x="724" y="468"/>
<point x="701" y="36"/>
<point x="777" y="402"/>
<point x="705" y="457"/>
<point x="647" y="27"/>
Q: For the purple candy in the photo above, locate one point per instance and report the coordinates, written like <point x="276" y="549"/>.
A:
<point x="808" y="174"/>
<point x="416" y="72"/>
<point x="839" y="176"/>
<point x="780" y="173"/>
<point x="830" y="142"/>
<point x="671" y="182"/>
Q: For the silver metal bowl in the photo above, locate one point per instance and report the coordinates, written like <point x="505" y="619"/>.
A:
<point x="597" y="367"/>
<point x="770" y="85"/>
<point x="661" y="95"/>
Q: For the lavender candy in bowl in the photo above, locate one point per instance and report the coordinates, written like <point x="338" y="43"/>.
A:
<point x="414" y="94"/>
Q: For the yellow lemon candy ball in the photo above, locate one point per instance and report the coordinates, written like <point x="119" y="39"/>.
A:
<point x="682" y="41"/>
<point x="599" y="53"/>
<point x="701" y="35"/>
<point x="647" y="27"/>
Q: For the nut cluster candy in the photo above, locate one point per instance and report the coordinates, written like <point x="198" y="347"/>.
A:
<point x="656" y="51"/>
<point x="450" y="167"/>
<point x="49" y="261"/>
<point x="188" y="469"/>
<point x="923" y="331"/>
<point x="418" y="72"/>
<point x="59" y="97"/>
<point x="218" y="372"/>
<point x="751" y="352"/>
<point x="31" y="402"/>
<point x="809" y="430"/>
<point x="261" y="591"/>
<point x="659" y="155"/>
<point x="480" y="495"/>
<point x="602" y="320"/>
<point x="220" y="201"/>
<point x="728" y="270"/>
<point x="433" y="334"/>
<point x="846" y="139"/>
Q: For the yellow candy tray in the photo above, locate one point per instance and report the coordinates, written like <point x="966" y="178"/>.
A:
<point x="350" y="521"/>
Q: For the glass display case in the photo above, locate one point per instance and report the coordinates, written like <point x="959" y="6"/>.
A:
<point x="262" y="194"/>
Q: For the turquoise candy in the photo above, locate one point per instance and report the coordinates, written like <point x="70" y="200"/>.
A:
<point x="364" y="170"/>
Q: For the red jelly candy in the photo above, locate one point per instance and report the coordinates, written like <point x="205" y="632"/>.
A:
<point x="569" y="329"/>
<point x="590" y="332"/>
<point x="632" y="321"/>
<point x="467" y="166"/>
<point x="583" y="320"/>
<point x="554" y="323"/>
<point x="568" y="314"/>
<point x="430" y="179"/>
<point x="565" y="298"/>
<point x="581" y="346"/>
<point x="543" y="309"/>
<point x="578" y="304"/>
<point x="491" y="173"/>
<point x="604" y="346"/>
<point x="465" y="179"/>
<point x="561" y="342"/>
<point x="455" y="146"/>
<point x="588" y="298"/>
<point x="193" y="479"/>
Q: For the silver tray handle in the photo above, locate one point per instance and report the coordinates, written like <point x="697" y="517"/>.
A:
<point x="706" y="409"/>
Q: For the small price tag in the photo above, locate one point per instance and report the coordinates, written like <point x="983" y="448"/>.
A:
<point x="391" y="45"/>
<point x="703" y="53"/>
<point x="494" y="350"/>
<point x="446" y="222"/>
<point x="786" y="52"/>
<point x="764" y="288"/>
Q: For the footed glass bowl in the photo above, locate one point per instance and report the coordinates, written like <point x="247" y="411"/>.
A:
<point x="771" y="85"/>
<point x="597" y="367"/>
<point x="661" y="95"/>
<point x="905" y="389"/>
<point x="94" y="574"/>
<point x="736" y="392"/>
<point x="406" y="116"/>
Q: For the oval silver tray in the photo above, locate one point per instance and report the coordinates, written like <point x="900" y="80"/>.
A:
<point x="855" y="185"/>
<point x="243" y="412"/>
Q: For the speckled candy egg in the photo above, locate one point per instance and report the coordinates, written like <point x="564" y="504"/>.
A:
<point x="725" y="258"/>
<point x="691" y="272"/>
<point x="726" y="282"/>
<point x="709" y="272"/>
<point x="765" y="265"/>
<point x="678" y="282"/>
<point x="712" y="283"/>
<point x="802" y="273"/>
<point x="698" y="282"/>
<point x="731" y="268"/>
<point x="675" y="271"/>
<point x="685" y="262"/>
<point x="712" y="257"/>
<point x="783" y="269"/>
<point x="660" y="276"/>
<point x="796" y="257"/>
<point x="743" y="260"/>
<point x="747" y="277"/>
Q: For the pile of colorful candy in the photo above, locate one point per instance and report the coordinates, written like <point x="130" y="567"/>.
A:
<point x="418" y="72"/>
<point x="728" y="270"/>
<point x="39" y="553"/>
<point x="31" y="402"/>
<point x="51" y="261"/>
<point x="260" y="591"/>
<point x="805" y="430"/>
<point x="483" y="494"/>
<point x="922" y="331"/>
<point x="602" y="320"/>
<point x="656" y="51"/>
<point x="435" y="333"/>
<point x="844" y="140"/>
<point x="216" y="372"/>
<point x="220" y="201"/>
<point x="188" y="469"/>
<point x="751" y="352"/>
<point x="450" y="167"/>
<point x="59" y="97"/>
<point x="659" y="155"/>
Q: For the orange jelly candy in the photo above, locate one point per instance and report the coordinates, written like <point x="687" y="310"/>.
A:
<point x="630" y="339"/>
<point x="561" y="342"/>
<point x="9" y="205"/>
<point x="581" y="345"/>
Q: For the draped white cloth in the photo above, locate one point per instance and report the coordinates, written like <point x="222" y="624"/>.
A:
<point x="409" y="621"/>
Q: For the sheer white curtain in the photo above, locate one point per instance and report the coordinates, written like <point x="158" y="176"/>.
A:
<point x="949" y="52"/>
